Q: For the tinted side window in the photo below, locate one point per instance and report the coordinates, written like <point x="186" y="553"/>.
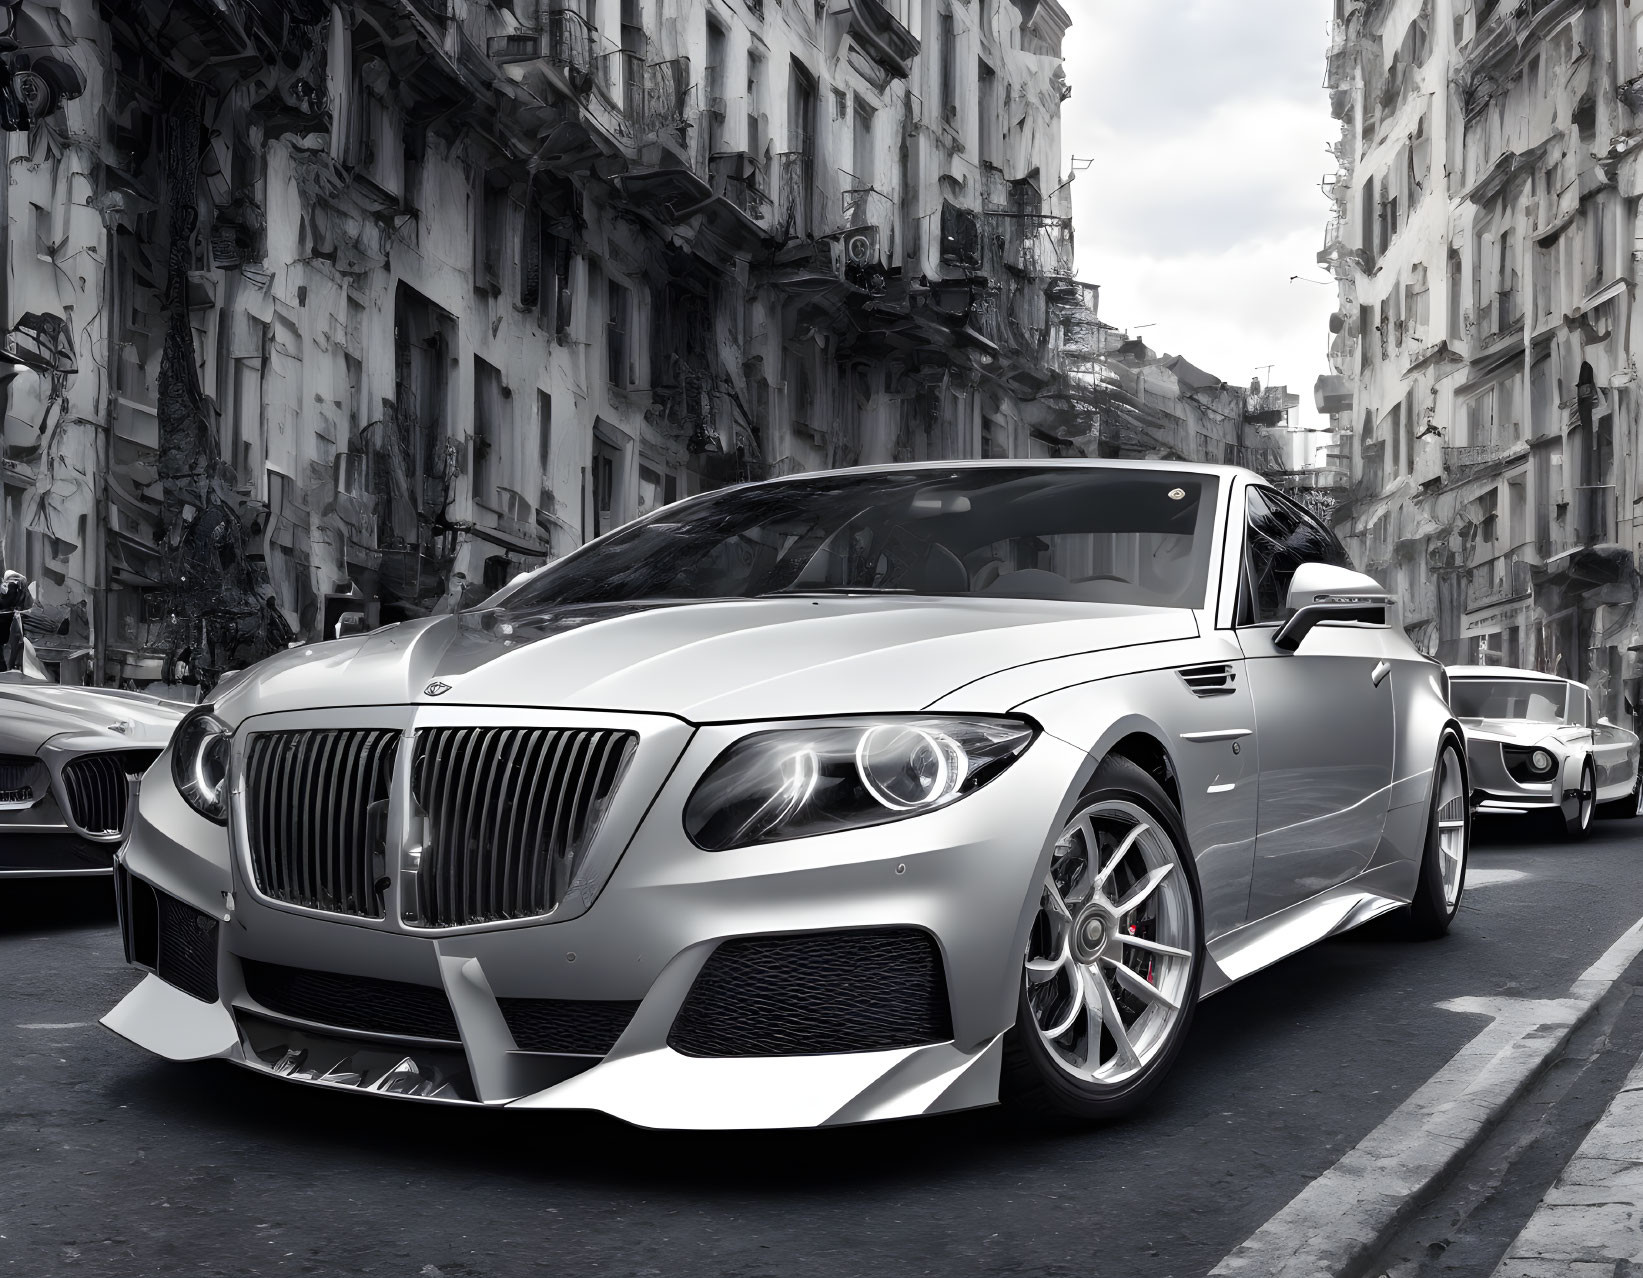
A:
<point x="1281" y="538"/>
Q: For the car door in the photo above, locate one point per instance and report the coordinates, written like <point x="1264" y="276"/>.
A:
<point x="1324" y="718"/>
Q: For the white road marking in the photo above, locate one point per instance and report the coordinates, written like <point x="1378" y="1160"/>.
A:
<point x="50" y="1026"/>
<point x="1487" y="878"/>
<point x="1339" y="1220"/>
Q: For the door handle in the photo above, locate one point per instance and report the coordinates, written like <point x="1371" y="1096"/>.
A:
<point x="1382" y="669"/>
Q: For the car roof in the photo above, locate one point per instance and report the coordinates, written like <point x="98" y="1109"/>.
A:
<point x="1036" y="463"/>
<point x="1506" y="672"/>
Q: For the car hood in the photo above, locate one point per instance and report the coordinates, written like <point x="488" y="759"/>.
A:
<point x="1511" y="731"/>
<point x="705" y="662"/>
<point x="32" y="712"/>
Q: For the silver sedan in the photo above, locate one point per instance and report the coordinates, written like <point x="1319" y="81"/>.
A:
<point x="843" y="797"/>
<point x="1536" y="745"/>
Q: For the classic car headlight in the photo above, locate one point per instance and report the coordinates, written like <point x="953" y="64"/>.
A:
<point x="199" y="763"/>
<point x="793" y="783"/>
<point x="1529" y="763"/>
<point x="1541" y="761"/>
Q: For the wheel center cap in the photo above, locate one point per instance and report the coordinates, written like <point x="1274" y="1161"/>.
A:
<point x="1095" y="932"/>
<point x="1091" y="934"/>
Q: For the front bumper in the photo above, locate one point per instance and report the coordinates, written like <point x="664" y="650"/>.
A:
<point x="39" y="838"/>
<point x="962" y="878"/>
<point x="1495" y="791"/>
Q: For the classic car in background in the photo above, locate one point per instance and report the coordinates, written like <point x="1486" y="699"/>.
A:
<point x="835" y="798"/>
<point x="1534" y="747"/>
<point x="69" y="760"/>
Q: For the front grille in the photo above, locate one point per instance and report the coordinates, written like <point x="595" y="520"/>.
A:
<point x="817" y="994"/>
<point x="509" y="812"/>
<point x="98" y="785"/>
<point x="571" y="1027"/>
<point x="316" y="814"/>
<point x="365" y="1004"/>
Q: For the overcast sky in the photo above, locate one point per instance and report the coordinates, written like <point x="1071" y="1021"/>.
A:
<point x="1208" y="124"/>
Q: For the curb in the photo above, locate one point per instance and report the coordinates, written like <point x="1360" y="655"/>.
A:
<point x="1336" y="1225"/>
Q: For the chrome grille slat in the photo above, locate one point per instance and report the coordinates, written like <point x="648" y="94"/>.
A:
<point x="308" y="796"/>
<point x="509" y="812"/>
<point x="97" y="785"/>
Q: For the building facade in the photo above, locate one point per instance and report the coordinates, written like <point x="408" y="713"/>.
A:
<point x="1482" y="383"/>
<point x="366" y="307"/>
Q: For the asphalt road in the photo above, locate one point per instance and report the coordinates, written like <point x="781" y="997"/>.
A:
<point x="115" y="1163"/>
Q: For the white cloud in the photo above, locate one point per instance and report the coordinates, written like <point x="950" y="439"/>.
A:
<point x="1208" y="125"/>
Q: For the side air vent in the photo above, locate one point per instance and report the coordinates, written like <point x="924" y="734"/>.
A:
<point x="1210" y="681"/>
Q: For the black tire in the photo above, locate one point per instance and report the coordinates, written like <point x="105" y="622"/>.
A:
<point x="1430" y="913"/>
<point x="1032" y="1083"/>
<point x="1627" y="808"/>
<point x="1575" y="826"/>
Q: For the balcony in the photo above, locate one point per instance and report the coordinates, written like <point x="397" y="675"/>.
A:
<point x="739" y="179"/>
<point x="796" y="189"/>
<point x="880" y="28"/>
<point x="665" y="108"/>
<point x="1503" y="577"/>
<point x="569" y="41"/>
<point x="1459" y="463"/>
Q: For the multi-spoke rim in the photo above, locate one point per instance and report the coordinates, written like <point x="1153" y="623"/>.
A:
<point x="1110" y="958"/>
<point x="1451" y="827"/>
<point x="1588" y="794"/>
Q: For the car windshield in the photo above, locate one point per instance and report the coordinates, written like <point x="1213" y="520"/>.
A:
<point x="1086" y="534"/>
<point x="1533" y="700"/>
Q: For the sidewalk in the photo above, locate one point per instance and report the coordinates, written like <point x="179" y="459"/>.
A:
<point x="1591" y="1220"/>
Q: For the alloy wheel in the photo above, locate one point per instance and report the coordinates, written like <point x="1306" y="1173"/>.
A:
<point x="1451" y="807"/>
<point x="1588" y="796"/>
<point x="1110" y="959"/>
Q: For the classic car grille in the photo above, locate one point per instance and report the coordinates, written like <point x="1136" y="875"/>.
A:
<point x="97" y="786"/>
<point x="316" y="805"/>
<point x="571" y="1027"/>
<point x="509" y="813"/>
<point x="365" y="1004"/>
<point x="816" y="994"/>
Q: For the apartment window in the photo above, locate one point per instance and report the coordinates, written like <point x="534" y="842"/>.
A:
<point x="1394" y="436"/>
<point x="947" y="40"/>
<point x="1542" y="408"/>
<point x="988" y="126"/>
<point x="490" y="232"/>
<point x="1456" y="297"/>
<point x="1417" y="310"/>
<point x="488" y="435"/>
<point x="861" y="156"/>
<point x="1506" y="282"/>
<point x="1367" y="225"/>
<point x="606" y="480"/>
<point x="544" y="437"/>
<point x="1597" y="240"/>
<point x="755" y="106"/>
<point x="412" y="164"/>
<point x="1546" y="282"/>
<point x="618" y="328"/>
<point x="1420" y="163"/>
<point x="1366" y="339"/>
<point x="650" y="490"/>
<point x="1488" y="509"/>
<point x="1409" y="431"/>
<point x="799" y="174"/>
<point x="718" y="44"/>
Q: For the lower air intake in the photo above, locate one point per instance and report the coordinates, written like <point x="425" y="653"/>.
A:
<point x="568" y="1027"/>
<point x="363" y="1004"/>
<point x="816" y="994"/>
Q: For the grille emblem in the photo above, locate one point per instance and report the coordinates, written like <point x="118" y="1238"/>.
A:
<point x="436" y="689"/>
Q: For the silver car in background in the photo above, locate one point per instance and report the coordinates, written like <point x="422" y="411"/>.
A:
<point x="842" y="797"/>
<point x="70" y="760"/>
<point x="1535" y="747"/>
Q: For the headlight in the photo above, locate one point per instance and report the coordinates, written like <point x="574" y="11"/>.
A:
<point x="1541" y="761"/>
<point x="794" y="783"/>
<point x="199" y="763"/>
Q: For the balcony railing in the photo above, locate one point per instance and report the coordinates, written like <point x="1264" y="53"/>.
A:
<point x="1457" y="461"/>
<point x="569" y="39"/>
<point x="739" y="178"/>
<point x="796" y="189"/>
<point x="668" y="103"/>
<point x="1503" y="577"/>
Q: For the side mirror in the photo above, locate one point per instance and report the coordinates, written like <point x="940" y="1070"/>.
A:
<point x="350" y="623"/>
<point x="1324" y="592"/>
